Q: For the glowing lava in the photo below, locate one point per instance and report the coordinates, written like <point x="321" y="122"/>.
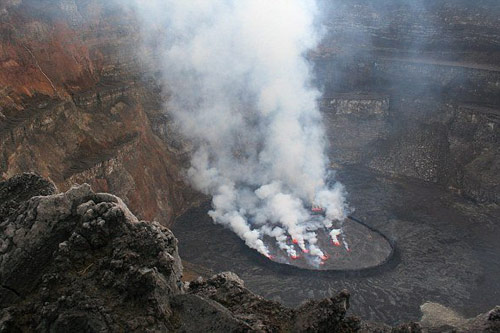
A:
<point x="346" y="247"/>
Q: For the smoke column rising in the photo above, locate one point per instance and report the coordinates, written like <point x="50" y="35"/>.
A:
<point x="240" y="91"/>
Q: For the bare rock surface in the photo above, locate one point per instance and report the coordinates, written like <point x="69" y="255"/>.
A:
<point x="438" y="318"/>
<point x="80" y="261"/>
<point x="79" y="105"/>
<point x="411" y="89"/>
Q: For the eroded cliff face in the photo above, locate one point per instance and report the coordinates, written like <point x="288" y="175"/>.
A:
<point x="413" y="89"/>
<point x="79" y="103"/>
<point x="409" y="90"/>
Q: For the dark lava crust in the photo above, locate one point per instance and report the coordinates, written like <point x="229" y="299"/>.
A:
<point x="446" y="251"/>
<point x="360" y="247"/>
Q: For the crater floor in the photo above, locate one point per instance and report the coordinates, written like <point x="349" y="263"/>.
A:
<point x="357" y="248"/>
<point x="447" y="252"/>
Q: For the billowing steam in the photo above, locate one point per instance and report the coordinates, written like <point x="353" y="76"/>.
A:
<point x="240" y="91"/>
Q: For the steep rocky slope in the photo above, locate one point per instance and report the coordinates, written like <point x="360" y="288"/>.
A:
<point x="412" y="89"/>
<point x="81" y="262"/>
<point x="78" y="103"/>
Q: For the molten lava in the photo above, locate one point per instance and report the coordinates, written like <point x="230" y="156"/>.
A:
<point x="316" y="209"/>
<point x="333" y="249"/>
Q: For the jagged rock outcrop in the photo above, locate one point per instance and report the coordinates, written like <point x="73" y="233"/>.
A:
<point x="326" y="315"/>
<point x="80" y="261"/>
<point x="438" y="318"/>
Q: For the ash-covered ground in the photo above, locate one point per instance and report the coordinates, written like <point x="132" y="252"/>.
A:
<point x="447" y="252"/>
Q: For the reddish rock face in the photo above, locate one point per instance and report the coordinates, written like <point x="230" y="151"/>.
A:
<point x="76" y="105"/>
<point x="42" y="56"/>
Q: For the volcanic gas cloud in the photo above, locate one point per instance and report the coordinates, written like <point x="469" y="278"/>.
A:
<point x="241" y="91"/>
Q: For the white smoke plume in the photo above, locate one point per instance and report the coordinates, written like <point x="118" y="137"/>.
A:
<point x="240" y="90"/>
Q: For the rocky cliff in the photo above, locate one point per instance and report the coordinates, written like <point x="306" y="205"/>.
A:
<point x="412" y="89"/>
<point x="79" y="103"/>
